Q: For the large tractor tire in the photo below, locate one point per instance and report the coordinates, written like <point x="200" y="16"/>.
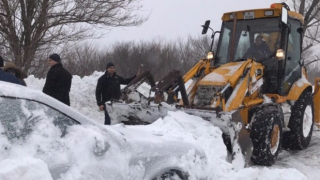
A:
<point x="300" y="124"/>
<point x="266" y="134"/>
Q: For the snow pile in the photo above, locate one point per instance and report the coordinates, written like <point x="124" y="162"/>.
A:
<point x="77" y="149"/>
<point x="193" y="129"/>
<point x="82" y="95"/>
<point x="27" y="168"/>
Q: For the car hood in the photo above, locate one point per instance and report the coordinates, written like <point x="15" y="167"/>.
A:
<point x="154" y="153"/>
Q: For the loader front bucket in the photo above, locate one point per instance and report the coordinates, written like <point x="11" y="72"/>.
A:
<point x="235" y="135"/>
<point x="137" y="113"/>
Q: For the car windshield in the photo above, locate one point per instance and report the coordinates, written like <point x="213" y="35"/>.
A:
<point x="246" y="33"/>
<point x="19" y="117"/>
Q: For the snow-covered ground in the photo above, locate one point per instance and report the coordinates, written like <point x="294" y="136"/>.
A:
<point x="298" y="165"/>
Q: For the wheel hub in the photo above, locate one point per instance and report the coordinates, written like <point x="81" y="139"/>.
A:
<point x="275" y="136"/>
<point x="307" y="121"/>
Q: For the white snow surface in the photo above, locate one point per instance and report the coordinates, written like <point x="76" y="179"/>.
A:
<point x="25" y="168"/>
<point x="228" y="70"/>
<point x="23" y="165"/>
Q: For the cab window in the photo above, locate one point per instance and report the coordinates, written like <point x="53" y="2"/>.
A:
<point x="292" y="67"/>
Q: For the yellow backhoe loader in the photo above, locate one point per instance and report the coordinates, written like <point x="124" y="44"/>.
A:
<point x="261" y="100"/>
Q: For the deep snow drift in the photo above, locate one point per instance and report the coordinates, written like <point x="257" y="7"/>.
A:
<point x="300" y="165"/>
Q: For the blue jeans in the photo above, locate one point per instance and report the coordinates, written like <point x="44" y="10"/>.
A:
<point x="107" y="120"/>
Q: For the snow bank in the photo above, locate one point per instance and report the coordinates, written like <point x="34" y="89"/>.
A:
<point x="27" y="168"/>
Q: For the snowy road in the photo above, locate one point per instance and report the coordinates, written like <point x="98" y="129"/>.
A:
<point x="307" y="161"/>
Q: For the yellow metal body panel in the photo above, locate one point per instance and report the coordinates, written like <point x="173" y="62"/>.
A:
<point x="260" y="13"/>
<point x="253" y="102"/>
<point x="240" y="90"/>
<point x="231" y="73"/>
<point x="195" y="69"/>
<point x="297" y="88"/>
<point x="244" y="113"/>
<point x="254" y="74"/>
<point x="234" y="79"/>
<point x="277" y="98"/>
<point x="316" y="100"/>
<point x="221" y="75"/>
<point x="245" y="86"/>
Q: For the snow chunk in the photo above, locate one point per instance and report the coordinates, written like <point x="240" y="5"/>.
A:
<point x="214" y="77"/>
<point x="266" y="99"/>
<point x="303" y="80"/>
<point x="27" y="168"/>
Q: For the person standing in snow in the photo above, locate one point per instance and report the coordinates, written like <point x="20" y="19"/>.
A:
<point x="108" y="88"/>
<point x="58" y="81"/>
<point x="4" y="76"/>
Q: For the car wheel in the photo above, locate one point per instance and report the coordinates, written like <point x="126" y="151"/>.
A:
<point x="266" y="135"/>
<point x="300" y="124"/>
<point x="172" y="175"/>
<point x="132" y="120"/>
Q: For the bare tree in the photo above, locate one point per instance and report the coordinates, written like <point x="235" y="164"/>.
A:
<point x="157" y="56"/>
<point x="310" y="9"/>
<point x="81" y="60"/>
<point x="191" y="51"/>
<point x="28" y="26"/>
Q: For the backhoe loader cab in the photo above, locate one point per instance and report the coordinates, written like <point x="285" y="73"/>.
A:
<point x="253" y="87"/>
<point x="240" y="30"/>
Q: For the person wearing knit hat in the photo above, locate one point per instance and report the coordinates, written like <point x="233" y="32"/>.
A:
<point x="108" y="88"/>
<point x="109" y="64"/>
<point x="58" y="81"/>
<point x="4" y="76"/>
<point x="55" y="57"/>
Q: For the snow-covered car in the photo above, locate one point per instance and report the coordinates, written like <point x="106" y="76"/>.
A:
<point x="69" y="145"/>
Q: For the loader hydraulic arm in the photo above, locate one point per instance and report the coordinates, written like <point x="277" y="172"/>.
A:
<point x="203" y="64"/>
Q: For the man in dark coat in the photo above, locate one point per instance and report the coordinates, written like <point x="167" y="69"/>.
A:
<point x="58" y="81"/>
<point x="4" y="76"/>
<point x="108" y="88"/>
<point x="259" y="50"/>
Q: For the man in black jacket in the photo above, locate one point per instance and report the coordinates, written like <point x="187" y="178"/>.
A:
<point x="58" y="81"/>
<point x="108" y="88"/>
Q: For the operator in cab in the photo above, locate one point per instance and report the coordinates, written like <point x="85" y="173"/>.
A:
<point x="259" y="50"/>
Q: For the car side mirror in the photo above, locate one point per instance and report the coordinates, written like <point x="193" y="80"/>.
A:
<point x="101" y="147"/>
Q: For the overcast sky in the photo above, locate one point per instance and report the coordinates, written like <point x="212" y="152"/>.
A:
<point x="170" y="19"/>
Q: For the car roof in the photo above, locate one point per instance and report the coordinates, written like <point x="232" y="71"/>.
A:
<point x="23" y="92"/>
